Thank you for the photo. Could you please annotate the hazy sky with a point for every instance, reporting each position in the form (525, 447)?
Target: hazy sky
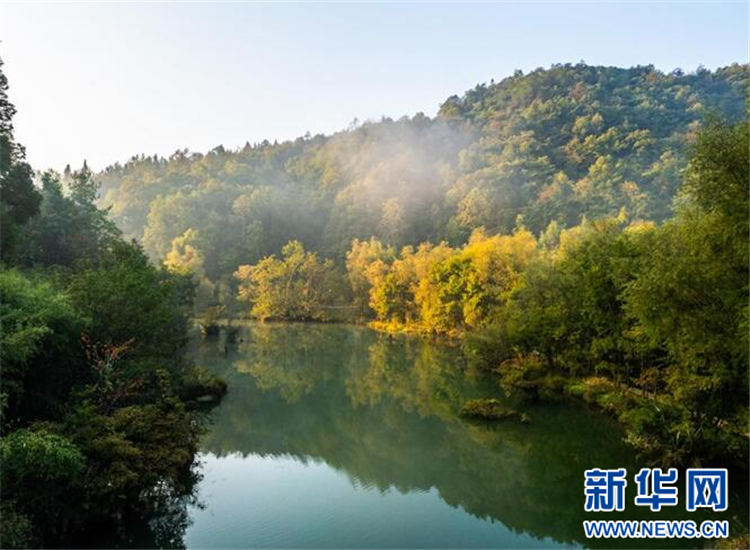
(107, 81)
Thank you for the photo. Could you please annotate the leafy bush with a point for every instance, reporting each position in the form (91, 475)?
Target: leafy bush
(39, 456)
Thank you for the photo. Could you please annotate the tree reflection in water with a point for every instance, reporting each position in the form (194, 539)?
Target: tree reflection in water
(385, 410)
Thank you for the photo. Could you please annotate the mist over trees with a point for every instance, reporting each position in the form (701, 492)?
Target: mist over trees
(559, 144)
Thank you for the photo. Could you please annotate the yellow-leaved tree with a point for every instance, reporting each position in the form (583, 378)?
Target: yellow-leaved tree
(185, 258)
(297, 286)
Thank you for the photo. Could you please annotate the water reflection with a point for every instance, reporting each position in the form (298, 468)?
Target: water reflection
(165, 513)
(383, 410)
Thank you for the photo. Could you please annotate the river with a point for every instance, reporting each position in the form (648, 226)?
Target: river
(339, 436)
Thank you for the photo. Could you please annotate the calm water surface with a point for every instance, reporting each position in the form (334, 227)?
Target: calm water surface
(337, 436)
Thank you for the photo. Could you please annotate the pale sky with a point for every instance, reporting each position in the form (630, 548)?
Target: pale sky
(105, 81)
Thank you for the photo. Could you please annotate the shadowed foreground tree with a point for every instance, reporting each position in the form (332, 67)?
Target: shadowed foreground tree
(93, 429)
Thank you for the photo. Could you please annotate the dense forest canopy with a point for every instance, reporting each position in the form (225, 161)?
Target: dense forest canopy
(561, 144)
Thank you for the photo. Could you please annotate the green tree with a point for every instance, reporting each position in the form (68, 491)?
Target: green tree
(127, 298)
(19, 199)
(40, 326)
(68, 228)
(691, 299)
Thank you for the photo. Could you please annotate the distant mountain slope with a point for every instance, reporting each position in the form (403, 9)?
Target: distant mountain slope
(574, 140)
(556, 144)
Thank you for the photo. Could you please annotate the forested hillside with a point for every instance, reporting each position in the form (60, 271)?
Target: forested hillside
(541, 219)
(560, 144)
(582, 229)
